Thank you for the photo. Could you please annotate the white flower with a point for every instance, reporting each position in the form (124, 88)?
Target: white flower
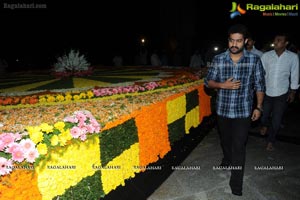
(71, 62)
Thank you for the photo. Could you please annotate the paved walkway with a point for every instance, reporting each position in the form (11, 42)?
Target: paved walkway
(203, 182)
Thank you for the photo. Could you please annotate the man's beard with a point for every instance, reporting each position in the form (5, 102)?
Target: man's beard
(236, 50)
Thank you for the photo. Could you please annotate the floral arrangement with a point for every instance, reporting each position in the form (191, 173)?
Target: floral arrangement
(49, 137)
(94, 93)
(128, 140)
(72, 64)
(34, 145)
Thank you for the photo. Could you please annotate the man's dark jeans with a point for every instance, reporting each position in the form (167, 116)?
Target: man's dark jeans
(233, 136)
(274, 108)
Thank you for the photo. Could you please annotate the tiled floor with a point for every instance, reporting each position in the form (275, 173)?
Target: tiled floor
(203, 182)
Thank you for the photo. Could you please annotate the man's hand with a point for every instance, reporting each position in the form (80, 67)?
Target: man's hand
(291, 97)
(256, 114)
(231, 84)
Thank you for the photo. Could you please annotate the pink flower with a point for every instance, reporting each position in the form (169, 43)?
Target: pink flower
(18, 136)
(97, 129)
(96, 92)
(5, 166)
(7, 139)
(83, 137)
(83, 130)
(115, 90)
(2, 145)
(120, 90)
(142, 89)
(109, 93)
(11, 148)
(75, 132)
(90, 128)
(80, 116)
(18, 154)
(71, 119)
(31, 155)
(94, 122)
(27, 144)
(88, 114)
(81, 124)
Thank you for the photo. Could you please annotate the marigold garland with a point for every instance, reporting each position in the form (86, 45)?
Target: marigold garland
(152, 128)
(192, 119)
(20, 184)
(67, 166)
(176, 108)
(120, 168)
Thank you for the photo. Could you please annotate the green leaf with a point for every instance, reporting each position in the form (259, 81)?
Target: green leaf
(5, 155)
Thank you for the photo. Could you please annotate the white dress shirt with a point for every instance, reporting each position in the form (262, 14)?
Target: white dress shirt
(256, 51)
(282, 72)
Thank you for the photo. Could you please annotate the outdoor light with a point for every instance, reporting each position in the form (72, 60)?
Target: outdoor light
(216, 48)
(143, 41)
(272, 45)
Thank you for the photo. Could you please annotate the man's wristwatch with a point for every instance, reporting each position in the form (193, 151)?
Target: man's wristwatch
(260, 109)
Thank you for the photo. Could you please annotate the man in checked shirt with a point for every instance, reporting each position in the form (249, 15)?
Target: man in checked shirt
(237, 75)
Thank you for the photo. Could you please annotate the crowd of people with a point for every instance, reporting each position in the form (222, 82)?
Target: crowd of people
(162, 57)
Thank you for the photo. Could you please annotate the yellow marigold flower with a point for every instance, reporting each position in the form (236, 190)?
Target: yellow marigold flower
(82, 95)
(42, 148)
(54, 140)
(76, 97)
(90, 94)
(64, 137)
(67, 134)
(35, 134)
(60, 97)
(60, 126)
(46, 128)
(42, 99)
(62, 141)
(68, 97)
(50, 99)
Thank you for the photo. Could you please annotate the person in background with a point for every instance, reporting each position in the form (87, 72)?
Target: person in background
(251, 48)
(118, 60)
(164, 58)
(235, 74)
(154, 59)
(282, 81)
(3, 66)
(196, 61)
(143, 55)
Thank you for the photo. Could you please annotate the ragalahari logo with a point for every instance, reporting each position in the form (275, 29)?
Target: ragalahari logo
(236, 10)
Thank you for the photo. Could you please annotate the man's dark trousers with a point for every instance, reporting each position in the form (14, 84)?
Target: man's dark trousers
(233, 136)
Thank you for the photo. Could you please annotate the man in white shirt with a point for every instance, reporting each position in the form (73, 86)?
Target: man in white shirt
(282, 81)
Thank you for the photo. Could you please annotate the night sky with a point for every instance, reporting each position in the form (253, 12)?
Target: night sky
(99, 30)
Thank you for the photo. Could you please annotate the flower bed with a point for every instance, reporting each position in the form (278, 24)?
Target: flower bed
(132, 131)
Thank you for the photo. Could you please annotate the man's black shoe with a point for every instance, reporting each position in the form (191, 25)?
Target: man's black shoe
(237, 193)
